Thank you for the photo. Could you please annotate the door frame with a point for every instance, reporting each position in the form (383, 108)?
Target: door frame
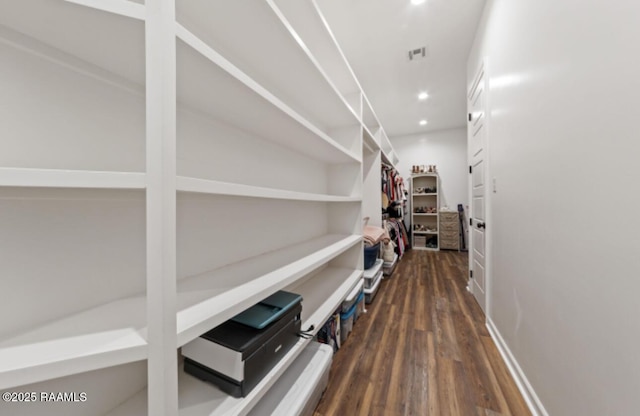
(489, 188)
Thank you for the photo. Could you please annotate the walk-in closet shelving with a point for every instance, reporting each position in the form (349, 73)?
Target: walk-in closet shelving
(369, 140)
(266, 48)
(312, 30)
(322, 292)
(162, 174)
(369, 119)
(72, 194)
(297, 204)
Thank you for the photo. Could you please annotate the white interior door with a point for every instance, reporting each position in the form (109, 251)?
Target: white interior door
(476, 132)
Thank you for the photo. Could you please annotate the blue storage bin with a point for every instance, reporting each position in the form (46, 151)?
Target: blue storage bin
(370, 255)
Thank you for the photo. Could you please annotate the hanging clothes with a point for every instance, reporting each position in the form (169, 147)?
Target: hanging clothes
(398, 234)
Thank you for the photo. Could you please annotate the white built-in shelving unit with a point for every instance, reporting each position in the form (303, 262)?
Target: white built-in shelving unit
(424, 194)
(167, 164)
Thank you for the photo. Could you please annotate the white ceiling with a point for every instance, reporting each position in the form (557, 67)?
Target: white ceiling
(376, 36)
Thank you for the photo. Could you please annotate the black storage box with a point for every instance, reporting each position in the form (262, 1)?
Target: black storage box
(235, 357)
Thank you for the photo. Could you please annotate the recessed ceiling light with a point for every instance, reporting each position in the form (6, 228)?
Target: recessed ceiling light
(423, 96)
(423, 122)
(417, 1)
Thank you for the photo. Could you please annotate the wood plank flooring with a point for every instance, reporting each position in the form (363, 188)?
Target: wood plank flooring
(422, 349)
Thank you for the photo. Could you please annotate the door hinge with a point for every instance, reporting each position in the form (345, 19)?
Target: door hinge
(470, 117)
(470, 221)
(470, 169)
(471, 274)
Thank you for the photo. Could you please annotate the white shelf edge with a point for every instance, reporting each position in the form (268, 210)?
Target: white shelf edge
(341, 280)
(425, 232)
(56, 56)
(430, 194)
(386, 159)
(196, 185)
(425, 214)
(312, 58)
(59, 178)
(198, 398)
(369, 140)
(207, 310)
(120, 7)
(104, 336)
(209, 53)
(366, 104)
(426, 248)
(424, 175)
(337, 46)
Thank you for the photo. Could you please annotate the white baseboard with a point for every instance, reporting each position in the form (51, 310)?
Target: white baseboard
(530, 396)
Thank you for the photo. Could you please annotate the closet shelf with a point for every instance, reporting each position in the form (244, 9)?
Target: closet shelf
(328, 45)
(207, 300)
(368, 140)
(426, 232)
(122, 7)
(369, 118)
(112, 34)
(241, 101)
(59, 178)
(108, 335)
(310, 25)
(429, 194)
(187, 184)
(199, 398)
(260, 32)
(431, 214)
(386, 159)
(321, 295)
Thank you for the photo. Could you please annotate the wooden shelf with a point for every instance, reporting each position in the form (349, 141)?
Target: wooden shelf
(109, 335)
(58, 178)
(205, 186)
(207, 300)
(209, 83)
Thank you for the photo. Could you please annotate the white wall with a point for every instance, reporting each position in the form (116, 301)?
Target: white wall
(448, 150)
(564, 149)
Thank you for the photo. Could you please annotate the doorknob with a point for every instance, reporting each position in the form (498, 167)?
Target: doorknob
(481, 225)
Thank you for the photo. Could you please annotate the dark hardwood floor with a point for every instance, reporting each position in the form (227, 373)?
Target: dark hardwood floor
(422, 349)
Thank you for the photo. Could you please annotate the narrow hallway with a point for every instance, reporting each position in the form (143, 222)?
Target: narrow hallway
(422, 349)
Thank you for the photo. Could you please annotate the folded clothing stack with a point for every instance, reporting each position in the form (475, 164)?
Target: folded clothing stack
(373, 235)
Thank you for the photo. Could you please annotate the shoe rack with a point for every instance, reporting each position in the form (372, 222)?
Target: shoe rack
(425, 211)
(163, 169)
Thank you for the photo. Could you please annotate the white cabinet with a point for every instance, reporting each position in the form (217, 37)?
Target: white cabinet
(160, 173)
(425, 208)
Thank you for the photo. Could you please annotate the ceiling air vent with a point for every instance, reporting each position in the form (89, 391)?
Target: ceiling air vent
(417, 53)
